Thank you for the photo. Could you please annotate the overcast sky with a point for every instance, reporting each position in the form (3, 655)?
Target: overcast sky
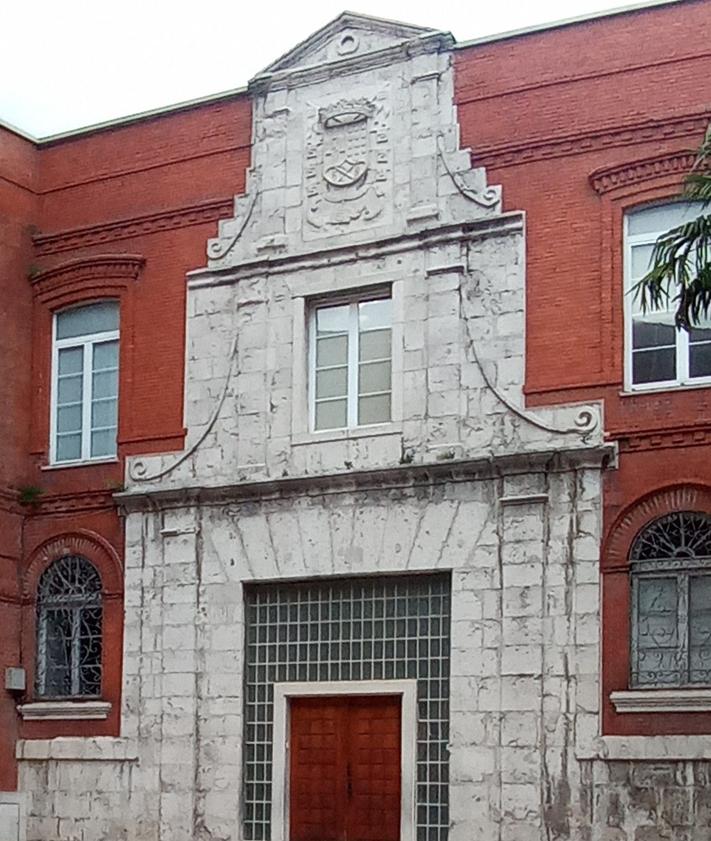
(71, 63)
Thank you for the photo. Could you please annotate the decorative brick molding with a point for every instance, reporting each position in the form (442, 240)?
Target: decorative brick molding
(71, 503)
(610, 178)
(180, 217)
(88, 544)
(510, 154)
(664, 439)
(115, 271)
(640, 513)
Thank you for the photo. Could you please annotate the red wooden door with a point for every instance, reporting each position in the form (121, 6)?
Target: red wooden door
(345, 769)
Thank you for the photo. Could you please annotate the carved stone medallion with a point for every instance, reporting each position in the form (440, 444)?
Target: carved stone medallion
(347, 166)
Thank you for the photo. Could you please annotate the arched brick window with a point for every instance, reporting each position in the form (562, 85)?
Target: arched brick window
(69, 630)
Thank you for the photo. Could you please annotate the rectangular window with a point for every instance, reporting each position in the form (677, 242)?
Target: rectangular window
(351, 364)
(658, 354)
(85, 383)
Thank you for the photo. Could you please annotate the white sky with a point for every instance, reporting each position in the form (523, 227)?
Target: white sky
(70, 63)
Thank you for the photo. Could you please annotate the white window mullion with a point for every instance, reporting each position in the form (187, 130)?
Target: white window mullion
(353, 365)
(86, 400)
(682, 355)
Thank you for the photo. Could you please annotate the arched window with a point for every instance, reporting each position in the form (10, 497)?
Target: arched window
(671, 602)
(69, 614)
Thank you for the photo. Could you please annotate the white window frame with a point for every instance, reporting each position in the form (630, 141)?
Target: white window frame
(352, 301)
(86, 342)
(284, 692)
(682, 379)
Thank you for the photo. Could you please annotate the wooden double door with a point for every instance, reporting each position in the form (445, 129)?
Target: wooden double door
(345, 768)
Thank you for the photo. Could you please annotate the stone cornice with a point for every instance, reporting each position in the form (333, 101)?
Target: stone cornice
(179, 217)
(400, 477)
(501, 225)
(611, 178)
(517, 152)
(430, 42)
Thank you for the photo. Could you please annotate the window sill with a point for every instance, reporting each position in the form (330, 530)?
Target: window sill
(300, 438)
(72, 748)
(65, 710)
(637, 391)
(61, 465)
(662, 700)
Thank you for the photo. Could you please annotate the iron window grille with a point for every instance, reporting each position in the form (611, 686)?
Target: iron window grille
(671, 602)
(350, 629)
(69, 616)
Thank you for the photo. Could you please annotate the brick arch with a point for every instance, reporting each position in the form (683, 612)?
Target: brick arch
(646, 509)
(89, 545)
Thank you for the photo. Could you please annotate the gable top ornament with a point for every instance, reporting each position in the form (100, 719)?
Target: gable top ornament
(348, 25)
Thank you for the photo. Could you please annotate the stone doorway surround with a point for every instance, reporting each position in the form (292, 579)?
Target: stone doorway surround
(284, 692)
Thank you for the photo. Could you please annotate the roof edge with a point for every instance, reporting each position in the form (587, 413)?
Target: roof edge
(139, 116)
(560, 24)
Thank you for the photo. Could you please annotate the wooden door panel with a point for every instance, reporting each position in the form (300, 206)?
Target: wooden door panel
(317, 768)
(345, 769)
(373, 808)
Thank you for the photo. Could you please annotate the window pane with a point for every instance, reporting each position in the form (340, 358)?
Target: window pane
(55, 668)
(657, 641)
(647, 334)
(68, 447)
(69, 390)
(374, 409)
(332, 319)
(103, 443)
(372, 314)
(700, 360)
(83, 321)
(89, 666)
(374, 376)
(71, 360)
(332, 382)
(105, 355)
(654, 366)
(331, 415)
(69, 419)
(658, 219)
(103, 413)
(641, 255)
(374, 345)
(332, 351)
(700, 629)
(105, 384)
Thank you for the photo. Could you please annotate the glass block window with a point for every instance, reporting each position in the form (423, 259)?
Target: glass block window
(671, 602)
(69, 630)
(658, 353)
(85, 383)
(350, 629)
(351, 364)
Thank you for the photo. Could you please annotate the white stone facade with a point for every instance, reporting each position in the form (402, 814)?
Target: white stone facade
(461, 479)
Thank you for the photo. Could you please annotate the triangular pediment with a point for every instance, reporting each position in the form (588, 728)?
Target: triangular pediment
(349, 34)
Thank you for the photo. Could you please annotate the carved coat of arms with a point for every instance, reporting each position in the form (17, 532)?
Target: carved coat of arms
(346, 165)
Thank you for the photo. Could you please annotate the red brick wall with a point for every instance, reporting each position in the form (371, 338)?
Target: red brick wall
(545, 113)
(18, 176)
(152, 190)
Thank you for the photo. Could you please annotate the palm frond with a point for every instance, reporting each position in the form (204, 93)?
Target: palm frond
(681, 268)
